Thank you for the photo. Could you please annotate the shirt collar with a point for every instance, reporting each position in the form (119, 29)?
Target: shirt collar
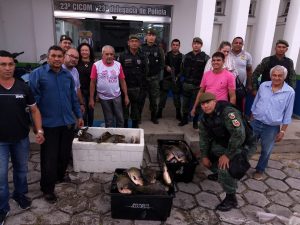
(284, 88)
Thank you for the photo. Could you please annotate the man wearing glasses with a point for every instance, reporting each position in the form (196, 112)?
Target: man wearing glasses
(70, 61)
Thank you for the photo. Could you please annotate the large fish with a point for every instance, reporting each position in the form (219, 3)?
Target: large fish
(107, 137)
(175, 153)
(149, 175)
(135, 175)
(124, 184)
(156, 188)
(83, 135)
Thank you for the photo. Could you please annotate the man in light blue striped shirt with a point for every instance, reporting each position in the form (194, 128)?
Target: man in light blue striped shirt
(272, 111)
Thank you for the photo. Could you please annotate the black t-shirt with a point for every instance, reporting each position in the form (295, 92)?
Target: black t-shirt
(14, 114)
(84, 70)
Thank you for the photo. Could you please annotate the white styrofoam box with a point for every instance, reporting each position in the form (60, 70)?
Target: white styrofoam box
(106, 157)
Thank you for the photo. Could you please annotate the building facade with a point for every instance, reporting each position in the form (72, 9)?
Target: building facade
(33, 25)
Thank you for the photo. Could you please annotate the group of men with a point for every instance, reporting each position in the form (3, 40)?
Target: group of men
(55, 102)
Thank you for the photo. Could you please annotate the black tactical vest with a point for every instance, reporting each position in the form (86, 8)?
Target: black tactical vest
(274, 61)
(153, 55)
(133, 67)
(193, 67)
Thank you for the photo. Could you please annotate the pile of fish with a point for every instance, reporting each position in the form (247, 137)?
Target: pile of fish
(178, 153)
(106, 137)
(143, 181)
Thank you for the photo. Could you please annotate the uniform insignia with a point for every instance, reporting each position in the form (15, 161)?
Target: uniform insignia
(231, 116)
(236, 123)
(138, 61)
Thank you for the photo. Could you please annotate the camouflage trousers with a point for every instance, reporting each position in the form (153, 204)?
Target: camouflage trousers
(132, 110)
(175, 87)
(228, 183)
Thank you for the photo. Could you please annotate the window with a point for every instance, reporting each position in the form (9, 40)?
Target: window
(220, 7)
(252, 8)
(286, 8)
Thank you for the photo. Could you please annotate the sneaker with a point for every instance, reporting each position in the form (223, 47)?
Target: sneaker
(258, 175)
(23, 201)
(50, 198)
(3, 216)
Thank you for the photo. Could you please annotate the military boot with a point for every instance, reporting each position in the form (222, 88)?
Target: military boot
(178, 114)
(159, 114)
(125, 123)
(195, 121)
(228, 203)
(135, 124)
(184, 120)
(154, 118)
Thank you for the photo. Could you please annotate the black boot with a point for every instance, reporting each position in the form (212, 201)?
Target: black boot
(213, 177)
(184, 120)
(125, 123)
(159, 114)
(178, 115)
(195, 121)
(135, 124)
(154, 118)
(228, 203)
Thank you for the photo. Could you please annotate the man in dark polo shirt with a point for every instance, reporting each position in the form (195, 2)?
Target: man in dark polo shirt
(15, 100)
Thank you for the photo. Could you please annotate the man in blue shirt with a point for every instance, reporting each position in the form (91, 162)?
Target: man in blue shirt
(54, 90)
(272, 112)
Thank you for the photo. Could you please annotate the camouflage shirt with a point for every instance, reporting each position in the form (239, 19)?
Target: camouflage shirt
(231, 121)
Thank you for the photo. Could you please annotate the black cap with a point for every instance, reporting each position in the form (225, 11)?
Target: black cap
(151, 31)
(207, 96)
(65, 37)
(284, 42)
(133, 36)
(197, 39)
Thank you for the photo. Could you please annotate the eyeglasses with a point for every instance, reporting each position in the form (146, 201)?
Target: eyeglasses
(73, 56)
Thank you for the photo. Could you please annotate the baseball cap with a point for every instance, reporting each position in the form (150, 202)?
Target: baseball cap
(133, 36)
(65, 37)
(197, 39)
(151, 31)
(207, 96)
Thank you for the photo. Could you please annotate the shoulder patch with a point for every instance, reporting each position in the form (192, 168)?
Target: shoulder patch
(231, 116)
(236, 123)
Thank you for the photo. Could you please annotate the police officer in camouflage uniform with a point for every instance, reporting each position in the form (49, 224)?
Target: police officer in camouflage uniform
(193, 68)
(155, 57)
(223, 133)
(134, 63)
(171, 80)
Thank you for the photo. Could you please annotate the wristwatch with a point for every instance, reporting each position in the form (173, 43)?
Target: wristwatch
(40, 132)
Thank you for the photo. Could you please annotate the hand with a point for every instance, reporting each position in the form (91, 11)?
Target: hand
(206, 162)
(169, 69)
(80, 123)
(82, 108)
(223, 162)
(39, 138)
(249, 87)
(126, 100)
(279, 137)
(92, 103)
(193, 112)
(254, 92)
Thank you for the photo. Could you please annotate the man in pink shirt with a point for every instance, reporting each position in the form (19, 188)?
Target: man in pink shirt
(218, 81)
(107, 75)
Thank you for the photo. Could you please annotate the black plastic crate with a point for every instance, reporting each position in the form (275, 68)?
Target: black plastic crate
(139, 206)
(180, 172)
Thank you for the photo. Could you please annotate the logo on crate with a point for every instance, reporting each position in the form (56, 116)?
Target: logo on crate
(139, 206)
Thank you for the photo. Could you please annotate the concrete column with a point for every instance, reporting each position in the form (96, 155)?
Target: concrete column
(204, 22)
(264, 29)
(238, 19)
(292, 31)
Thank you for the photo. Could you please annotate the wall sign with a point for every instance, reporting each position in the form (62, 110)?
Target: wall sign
(114, 8)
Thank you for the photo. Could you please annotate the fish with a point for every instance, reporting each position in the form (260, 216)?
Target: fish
(124, 184)
(107, 137)
(156, 188)
(174, 154)
(83, 135)
(166, 175)
(149, 175)
(135, 175)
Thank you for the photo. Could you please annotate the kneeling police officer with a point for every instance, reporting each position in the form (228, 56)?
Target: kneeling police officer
(223, 134)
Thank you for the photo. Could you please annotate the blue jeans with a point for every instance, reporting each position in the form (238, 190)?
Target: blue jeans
(19, 153)
(267, 135)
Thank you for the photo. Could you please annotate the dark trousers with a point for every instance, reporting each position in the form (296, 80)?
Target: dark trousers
(55, 155)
